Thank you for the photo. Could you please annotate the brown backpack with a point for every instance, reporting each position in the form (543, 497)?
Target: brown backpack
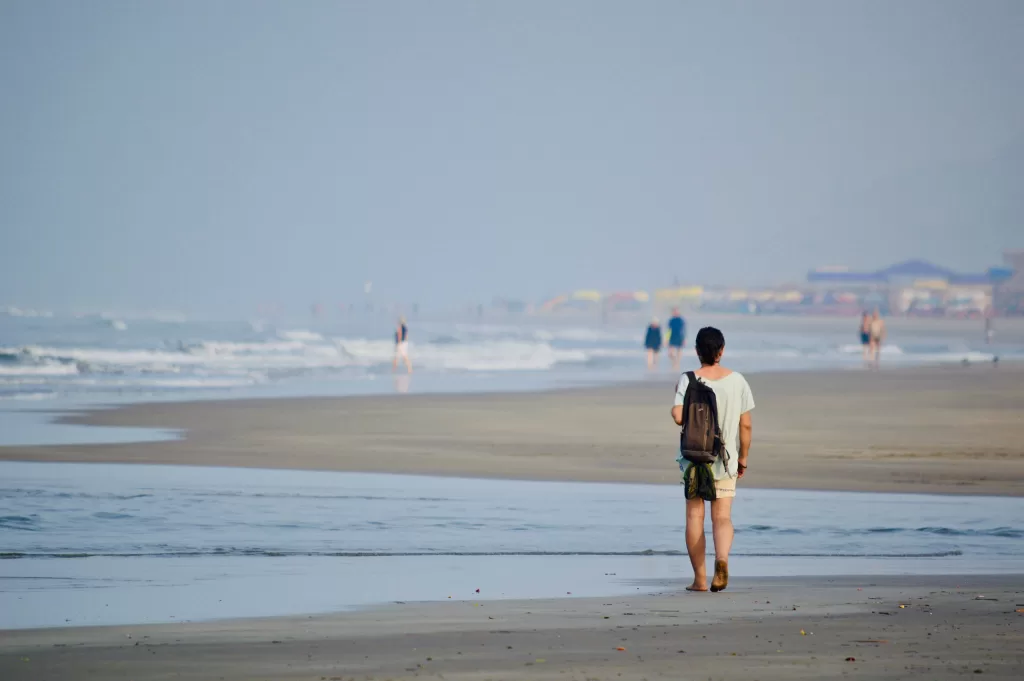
(700, 440)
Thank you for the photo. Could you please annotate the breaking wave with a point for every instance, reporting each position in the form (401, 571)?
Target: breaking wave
(79, 357)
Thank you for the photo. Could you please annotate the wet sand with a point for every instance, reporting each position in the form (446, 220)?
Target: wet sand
(893, 627)
(940, 430)
(925, 430)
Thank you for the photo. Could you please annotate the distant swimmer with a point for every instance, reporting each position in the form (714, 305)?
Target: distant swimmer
(653, 343)
(402, 346)
(676, 338)
(877, 329)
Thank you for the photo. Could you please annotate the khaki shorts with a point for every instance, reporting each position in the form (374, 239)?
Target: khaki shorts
(726, 488)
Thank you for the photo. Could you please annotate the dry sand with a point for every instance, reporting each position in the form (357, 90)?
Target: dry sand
(945, 430)
(758, 629)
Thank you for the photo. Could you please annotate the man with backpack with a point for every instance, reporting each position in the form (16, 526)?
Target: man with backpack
(712, 405)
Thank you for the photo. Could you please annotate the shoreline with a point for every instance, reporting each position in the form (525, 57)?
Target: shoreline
(942, 430)
(892, 627)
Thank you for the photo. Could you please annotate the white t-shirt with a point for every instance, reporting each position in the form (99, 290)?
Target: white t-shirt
(734, 399)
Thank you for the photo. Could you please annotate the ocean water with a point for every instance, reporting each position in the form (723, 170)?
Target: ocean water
(101, 544)
(50, 360)
(53, 365)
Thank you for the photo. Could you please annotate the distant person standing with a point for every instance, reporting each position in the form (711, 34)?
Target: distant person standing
(989, 330)
(865, 335)
(402, 346)
(877, 330)
(676, 338)
(653, 343)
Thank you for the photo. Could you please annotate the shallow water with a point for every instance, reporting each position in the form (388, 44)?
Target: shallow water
(99, 543)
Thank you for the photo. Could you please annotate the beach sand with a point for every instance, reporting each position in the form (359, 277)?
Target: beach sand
(940, 429)
(893, 627)
(944, 430)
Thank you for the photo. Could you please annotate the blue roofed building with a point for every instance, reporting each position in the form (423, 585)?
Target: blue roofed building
(913, 288)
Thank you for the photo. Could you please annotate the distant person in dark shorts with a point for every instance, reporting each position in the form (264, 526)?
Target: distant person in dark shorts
(402, 346)
(653, 343)
(676, 338)
(865, 335)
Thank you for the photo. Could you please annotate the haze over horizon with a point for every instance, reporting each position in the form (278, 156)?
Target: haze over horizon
(213, 156)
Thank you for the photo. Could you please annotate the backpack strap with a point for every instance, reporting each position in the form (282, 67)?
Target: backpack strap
(691, 378)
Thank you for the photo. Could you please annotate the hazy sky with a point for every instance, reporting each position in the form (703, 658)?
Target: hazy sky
(211, 154)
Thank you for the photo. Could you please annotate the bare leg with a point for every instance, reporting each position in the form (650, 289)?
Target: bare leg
(721, 524)
(696, 544)
(408, 363)
(650, 359)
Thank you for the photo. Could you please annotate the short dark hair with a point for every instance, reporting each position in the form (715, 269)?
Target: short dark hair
(710, 342)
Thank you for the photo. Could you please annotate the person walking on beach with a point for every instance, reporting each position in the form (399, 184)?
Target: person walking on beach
(713, 406)
(652, 341)
(877, 330)
(865, 336)
(402, 346)
(676, 338)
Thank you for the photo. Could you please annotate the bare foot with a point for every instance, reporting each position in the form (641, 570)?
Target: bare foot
(702, 586)
(721, 579)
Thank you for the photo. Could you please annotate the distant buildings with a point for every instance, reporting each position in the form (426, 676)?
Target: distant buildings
(595, 302)
(911, 288)
(1009, 295)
